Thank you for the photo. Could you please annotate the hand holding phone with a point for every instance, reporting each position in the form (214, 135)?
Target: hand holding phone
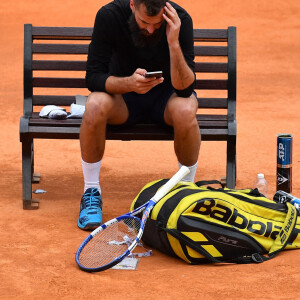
(141, 83)
(156, 74)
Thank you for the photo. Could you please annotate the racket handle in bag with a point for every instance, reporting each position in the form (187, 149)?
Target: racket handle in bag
(183, 171)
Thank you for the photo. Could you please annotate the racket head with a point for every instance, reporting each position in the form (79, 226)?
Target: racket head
(96, 253)
(109, 244)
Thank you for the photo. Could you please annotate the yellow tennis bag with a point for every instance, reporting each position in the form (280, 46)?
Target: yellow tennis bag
(201, 224)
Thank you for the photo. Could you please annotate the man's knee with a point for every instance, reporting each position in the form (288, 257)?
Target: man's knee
(183, 111)
(98, 106)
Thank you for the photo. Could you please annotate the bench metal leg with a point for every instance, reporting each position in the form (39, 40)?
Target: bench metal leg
(27, 174)
(231, 163)
(36, 177)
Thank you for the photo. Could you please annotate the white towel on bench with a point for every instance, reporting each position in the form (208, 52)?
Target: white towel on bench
(53, 112)
(76, 111)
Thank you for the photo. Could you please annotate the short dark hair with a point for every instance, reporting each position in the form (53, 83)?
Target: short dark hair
(153, 7)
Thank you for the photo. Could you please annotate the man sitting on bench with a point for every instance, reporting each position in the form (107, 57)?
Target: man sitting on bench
(132, 37)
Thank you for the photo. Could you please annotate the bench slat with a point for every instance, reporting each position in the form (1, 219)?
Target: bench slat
(83, 49)
(42, 100)
(62, 33)
(201, 67)
(220, 103)
(59, 65)
(211, 84)
(213, 35)
(211, 51)
(58, 82)
(35, 119)
(60, 48)
(136, 133)
(85, 33)
(204, 121)
(76, 65)
(51, 82)
(77, 122)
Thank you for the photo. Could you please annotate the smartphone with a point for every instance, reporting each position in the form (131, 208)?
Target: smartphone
(156, 74)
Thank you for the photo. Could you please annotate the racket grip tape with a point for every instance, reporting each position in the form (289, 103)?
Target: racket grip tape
(183, 171)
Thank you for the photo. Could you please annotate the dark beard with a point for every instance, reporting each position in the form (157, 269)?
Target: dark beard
(141, 37)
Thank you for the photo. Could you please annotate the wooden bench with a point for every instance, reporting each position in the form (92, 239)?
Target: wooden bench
(54, 72)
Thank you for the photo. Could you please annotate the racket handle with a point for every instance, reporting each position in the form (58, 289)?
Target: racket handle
(183, 171)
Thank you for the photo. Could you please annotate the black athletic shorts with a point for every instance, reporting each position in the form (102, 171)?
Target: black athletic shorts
(148, 107)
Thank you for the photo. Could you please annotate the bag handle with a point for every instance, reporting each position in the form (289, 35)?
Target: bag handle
(206, 182)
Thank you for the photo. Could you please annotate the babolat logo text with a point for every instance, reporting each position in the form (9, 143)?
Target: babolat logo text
(234, 218)
(286, 229)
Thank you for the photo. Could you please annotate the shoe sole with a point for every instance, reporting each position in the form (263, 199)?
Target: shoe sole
(90, 226)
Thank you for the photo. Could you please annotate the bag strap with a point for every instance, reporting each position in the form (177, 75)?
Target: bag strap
(279, 244)
(285, 233)
(206, 182)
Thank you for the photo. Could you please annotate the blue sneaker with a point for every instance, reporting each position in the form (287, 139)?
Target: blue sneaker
(90, 216)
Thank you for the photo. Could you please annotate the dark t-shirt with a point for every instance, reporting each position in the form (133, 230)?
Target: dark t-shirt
(112, 51)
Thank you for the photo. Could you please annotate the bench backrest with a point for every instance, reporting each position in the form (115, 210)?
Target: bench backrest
(55, 60)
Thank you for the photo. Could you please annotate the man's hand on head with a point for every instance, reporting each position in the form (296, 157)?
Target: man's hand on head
(173, 24)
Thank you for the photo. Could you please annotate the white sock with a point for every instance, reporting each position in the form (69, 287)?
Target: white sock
(191, 176)
(91, 173)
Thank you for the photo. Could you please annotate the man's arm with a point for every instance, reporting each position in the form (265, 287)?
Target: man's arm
(181, 74)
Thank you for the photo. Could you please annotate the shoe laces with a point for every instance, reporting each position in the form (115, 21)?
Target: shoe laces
(92, 202)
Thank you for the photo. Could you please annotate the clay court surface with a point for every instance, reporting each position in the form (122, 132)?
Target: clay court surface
(37, 248)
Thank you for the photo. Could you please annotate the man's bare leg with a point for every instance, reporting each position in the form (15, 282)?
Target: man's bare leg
(100, 109)
(180, 113)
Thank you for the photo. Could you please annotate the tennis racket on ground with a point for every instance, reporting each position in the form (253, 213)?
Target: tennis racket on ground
(111, 242)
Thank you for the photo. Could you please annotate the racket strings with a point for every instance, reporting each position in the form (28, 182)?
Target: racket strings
(109, 243)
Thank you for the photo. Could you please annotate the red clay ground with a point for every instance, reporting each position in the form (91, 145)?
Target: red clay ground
(37, 247)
